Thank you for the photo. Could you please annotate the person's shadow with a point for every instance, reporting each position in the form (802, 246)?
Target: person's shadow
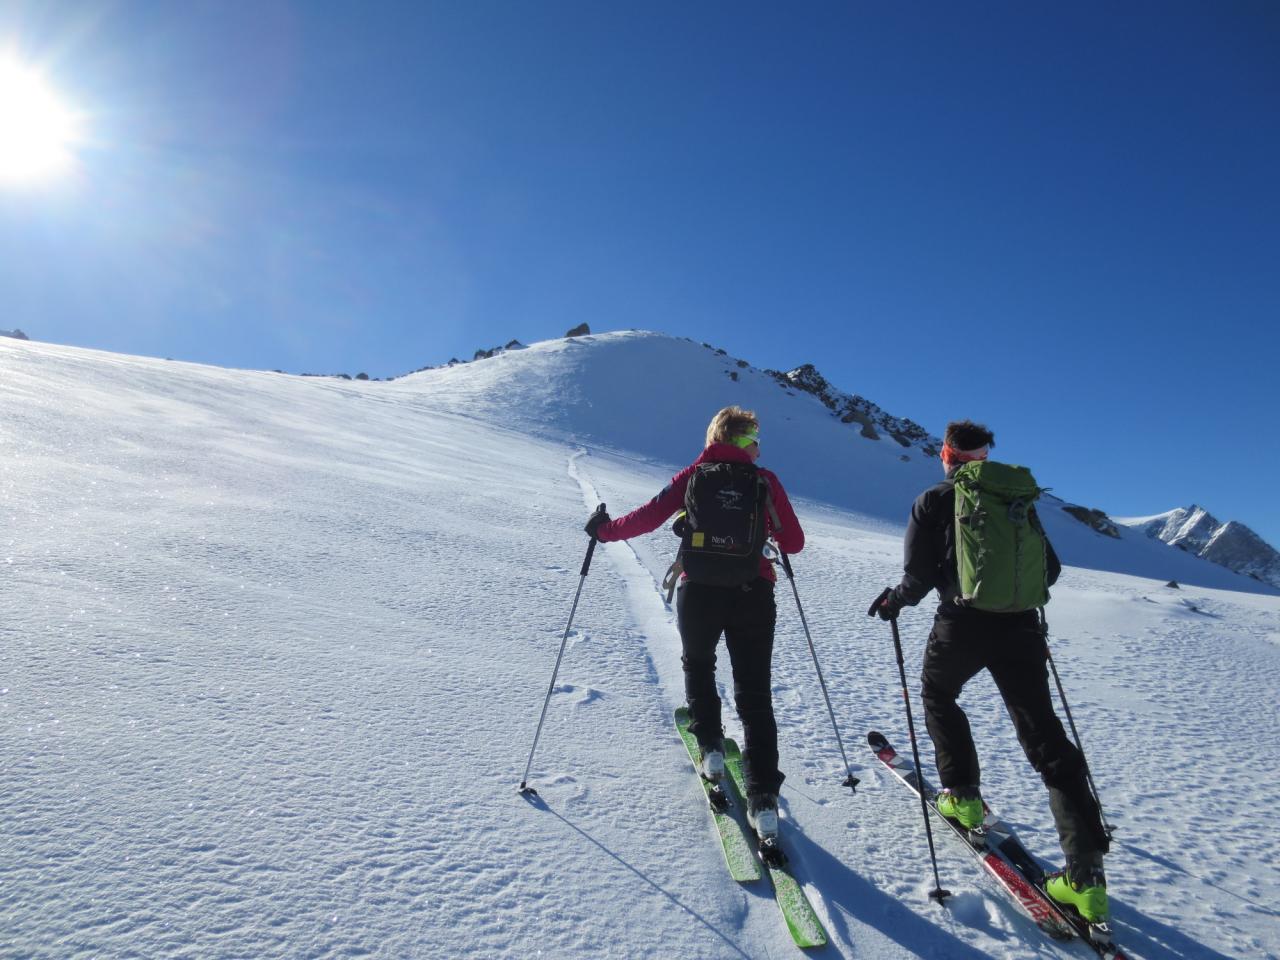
(1138, 933)
(846, 894)
(1155, 938)
(730, 945)
(842, 891)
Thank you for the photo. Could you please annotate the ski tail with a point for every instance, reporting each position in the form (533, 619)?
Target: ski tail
(802, 920)
(738, 854)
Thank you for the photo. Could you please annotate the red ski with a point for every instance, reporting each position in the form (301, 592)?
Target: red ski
(997, 848)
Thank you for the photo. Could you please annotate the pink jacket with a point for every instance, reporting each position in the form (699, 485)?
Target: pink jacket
(658, 510)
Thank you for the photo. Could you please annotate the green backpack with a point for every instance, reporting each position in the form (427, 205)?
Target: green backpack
(1001, 548)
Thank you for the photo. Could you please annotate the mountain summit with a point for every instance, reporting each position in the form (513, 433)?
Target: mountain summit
(648, 396)
(1231, 544)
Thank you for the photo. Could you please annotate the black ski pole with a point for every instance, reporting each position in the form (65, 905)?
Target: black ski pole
(586, 565)
(850, 780)
(937, 893)
(1062, 693)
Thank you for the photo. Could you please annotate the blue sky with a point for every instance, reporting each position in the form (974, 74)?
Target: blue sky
(1061, 219)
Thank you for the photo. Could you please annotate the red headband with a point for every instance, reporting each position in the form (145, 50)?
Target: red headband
(951, 456)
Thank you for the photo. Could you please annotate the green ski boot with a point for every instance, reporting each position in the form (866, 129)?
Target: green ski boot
(963, 805)
(1081, 887)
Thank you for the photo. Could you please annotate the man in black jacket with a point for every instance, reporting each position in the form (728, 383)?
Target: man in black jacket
(1012, 647)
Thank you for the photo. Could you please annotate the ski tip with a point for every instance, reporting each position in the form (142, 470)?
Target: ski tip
(877, 740)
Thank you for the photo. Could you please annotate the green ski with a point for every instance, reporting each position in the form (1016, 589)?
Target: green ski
(806, 929)
(743, 865)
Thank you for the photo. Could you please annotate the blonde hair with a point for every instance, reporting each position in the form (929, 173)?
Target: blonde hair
(729, 423)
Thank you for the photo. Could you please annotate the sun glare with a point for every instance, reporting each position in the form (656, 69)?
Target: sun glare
(37, 131)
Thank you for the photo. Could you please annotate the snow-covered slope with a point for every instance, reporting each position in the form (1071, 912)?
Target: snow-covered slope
(1231, 544)
(273, 649)
(649, 396)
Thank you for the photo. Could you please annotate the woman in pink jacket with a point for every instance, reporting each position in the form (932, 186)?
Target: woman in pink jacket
(745, 614)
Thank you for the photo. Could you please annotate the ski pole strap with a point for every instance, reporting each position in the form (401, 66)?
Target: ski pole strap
(777, 526)
(672, 578)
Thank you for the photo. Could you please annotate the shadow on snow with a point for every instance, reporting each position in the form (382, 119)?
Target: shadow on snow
(540, 804)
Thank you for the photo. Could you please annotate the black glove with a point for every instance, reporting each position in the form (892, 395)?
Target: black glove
(886, 605)
(596, 521)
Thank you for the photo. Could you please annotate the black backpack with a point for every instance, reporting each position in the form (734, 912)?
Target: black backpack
(724, 530)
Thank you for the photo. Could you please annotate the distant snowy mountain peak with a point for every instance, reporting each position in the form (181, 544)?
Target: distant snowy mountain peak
(1232, 544)
(1188, 528)
(1191, 529)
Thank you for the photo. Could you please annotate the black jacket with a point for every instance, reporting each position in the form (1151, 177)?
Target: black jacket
(929, 552)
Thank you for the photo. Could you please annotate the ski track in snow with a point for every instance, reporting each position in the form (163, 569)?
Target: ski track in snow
(273, 650)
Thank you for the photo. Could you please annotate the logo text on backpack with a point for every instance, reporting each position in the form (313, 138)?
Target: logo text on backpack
(729, 499)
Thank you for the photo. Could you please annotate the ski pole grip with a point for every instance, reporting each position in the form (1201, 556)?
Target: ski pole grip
(879, 600)
(591, 549)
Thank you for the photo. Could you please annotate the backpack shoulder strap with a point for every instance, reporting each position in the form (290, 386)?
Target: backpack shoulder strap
(768, 503)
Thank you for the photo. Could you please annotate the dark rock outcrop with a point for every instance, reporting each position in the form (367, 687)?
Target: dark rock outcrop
(850, 408)
(1095, 519)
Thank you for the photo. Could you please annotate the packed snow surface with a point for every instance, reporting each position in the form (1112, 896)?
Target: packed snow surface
(273, 651)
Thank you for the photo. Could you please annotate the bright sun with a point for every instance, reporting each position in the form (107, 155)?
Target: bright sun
(37, 131)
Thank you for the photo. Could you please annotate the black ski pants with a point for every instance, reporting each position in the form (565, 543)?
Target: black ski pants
(746, 616)
(1012, 648)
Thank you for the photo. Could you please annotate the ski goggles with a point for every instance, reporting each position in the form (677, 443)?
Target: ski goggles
(745, 440)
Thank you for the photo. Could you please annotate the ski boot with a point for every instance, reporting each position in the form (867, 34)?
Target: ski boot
(963, 805)
(762, 814)
(711, 770)
(1083, 887)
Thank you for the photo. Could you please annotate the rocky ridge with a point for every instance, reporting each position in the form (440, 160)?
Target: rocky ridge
(851, 408)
